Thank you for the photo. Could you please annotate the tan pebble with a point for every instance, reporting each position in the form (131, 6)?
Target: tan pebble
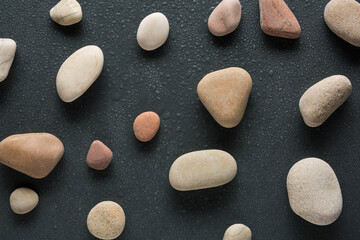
(23, 200)
(323, 98)
(225, 94)
(106, 220)
(34, 154)
(7, 54)
(237, 232)
(66, 12)
(225, 18)
(99, 156)
(146, 125)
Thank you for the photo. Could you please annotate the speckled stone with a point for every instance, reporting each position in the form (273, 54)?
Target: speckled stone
(66, 12)
(237, 232)
(23, 200)
(323, 98)
(99, 156)
(314, 191)
(7, 54)
(146, 125)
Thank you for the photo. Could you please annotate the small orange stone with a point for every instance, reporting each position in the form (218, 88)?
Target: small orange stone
(99, 156)
(146, 126)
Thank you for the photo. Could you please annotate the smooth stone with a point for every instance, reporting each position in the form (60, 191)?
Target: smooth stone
(225, 18)
(106, 220)
(153, 31)
(323, 98)
(276, 19)
(225, 94)
(23, 200)
(79, 72)
(7, 54)
(237, 232)
(99, 156)
(343, 18)
(66, 12)
(146, 125)
(34, 154)
(314, 191)
(202, 169)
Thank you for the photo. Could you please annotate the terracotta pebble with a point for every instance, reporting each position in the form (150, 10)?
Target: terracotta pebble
(23, 200)
(146, 125)
(7, 54)
(237, 232)
(225, 18)
(99, 156)
(276, 19)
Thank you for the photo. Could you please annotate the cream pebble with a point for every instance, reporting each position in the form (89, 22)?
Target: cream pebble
(323, 98)
(7, 54)
(314, 191)
(79, 72)
(23, 200)
(237, 232)
(153, 31)
(66, 12)
(202, 169)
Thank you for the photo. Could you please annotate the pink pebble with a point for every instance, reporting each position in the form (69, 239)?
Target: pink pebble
(99, 156)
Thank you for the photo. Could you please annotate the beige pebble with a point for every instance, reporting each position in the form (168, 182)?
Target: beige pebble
(66, 12)
(7, 54)
(146, 125)
(323, 98)
(106, 220)
(34, 154)
(314, 191)
(343, 18)
(225, 18)
(153, 31)
(202, 169)
(237, 232)
(23, 200)
(225, 94)
(79, 72)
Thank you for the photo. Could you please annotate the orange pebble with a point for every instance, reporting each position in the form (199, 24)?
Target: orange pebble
(146, 125)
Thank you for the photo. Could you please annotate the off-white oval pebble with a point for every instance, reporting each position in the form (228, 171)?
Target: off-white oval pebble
(323, 98)
(314, 191)
(106, 220)
(343, 18)
(237, 232)
(7, 54)
(66, 12)
(23, 200)
(153, 31)
(79, 72)
(202, 169)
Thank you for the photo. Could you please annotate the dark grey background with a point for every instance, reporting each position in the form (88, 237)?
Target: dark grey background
(268, 141)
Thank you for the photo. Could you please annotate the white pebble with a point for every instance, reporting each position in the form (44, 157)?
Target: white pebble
(66, 12)
(23, 200)
(7, 54)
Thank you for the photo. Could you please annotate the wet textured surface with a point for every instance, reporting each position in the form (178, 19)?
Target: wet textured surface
(268, 141)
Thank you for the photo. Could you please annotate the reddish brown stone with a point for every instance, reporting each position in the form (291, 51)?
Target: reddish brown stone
(146, 126)
(99, 156)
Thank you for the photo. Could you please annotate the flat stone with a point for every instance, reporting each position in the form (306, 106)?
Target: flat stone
(106, 220)
(323, 98)
(225, 18)
(343, 18)
(237, 232)
(99, 156)
(153, 31)
(202, 169)
(7, 54)
(79, 72)
(34, 154)
(66, 12)
(225, 94)
(314, 191)
(146, 125)
(276, 19)
(23, 200)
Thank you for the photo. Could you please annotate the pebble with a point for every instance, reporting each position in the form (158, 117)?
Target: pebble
(323, 98)
(237, 232)
(225, 18)
(79, 72)
(146, 125)
(106, 220)
(153, 31)
(7, 54)
(225, 94)
(202, 169)
(343, 18)
(276, 19)
(314, 191)
(66, 12)
(99, 156)
(23, 200)
(34, 154)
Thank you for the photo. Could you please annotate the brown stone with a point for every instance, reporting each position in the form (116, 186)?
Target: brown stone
(99, 156)
(146, 125)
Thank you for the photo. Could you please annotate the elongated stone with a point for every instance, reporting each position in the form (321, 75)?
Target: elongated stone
(7, 54)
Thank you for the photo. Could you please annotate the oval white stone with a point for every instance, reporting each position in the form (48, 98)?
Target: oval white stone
(79, 72)
(153, 31)
(23, 200)
(314, 191)
(237, 232)
(7, 54)
(66, 12)
(202, 169)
